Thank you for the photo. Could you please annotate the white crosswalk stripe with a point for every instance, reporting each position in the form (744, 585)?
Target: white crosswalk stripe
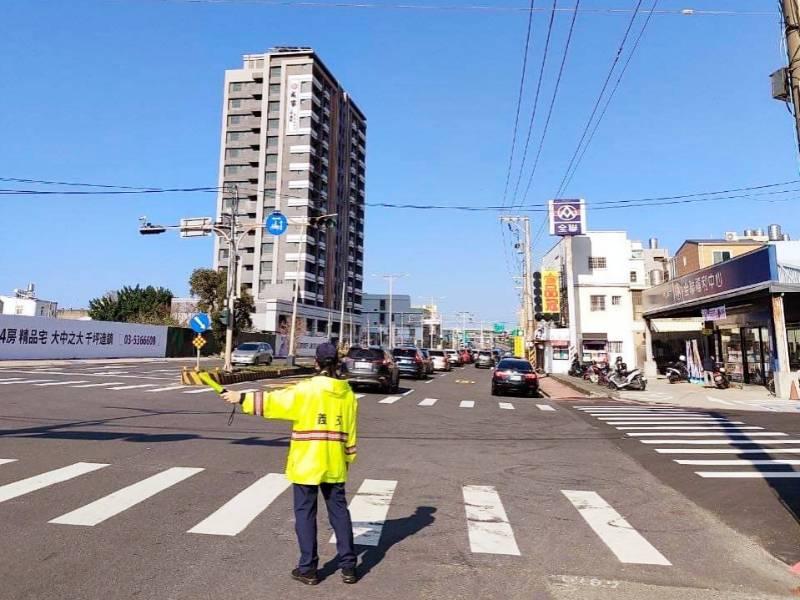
(749, 474)
(728, 450)
(488, 527)
(166, 389)
(121, 500)
(92, 385)
(544, 407)
(739, 462)
(24, 381)
(13, 490)
(708, 434)
(202, 390)
(359, 396)
(10, 378)
(428, 402)
(627, 544)
(236, 514)
(389, 400)
(368, 510)
(133, 387)
(682, 422)
(61, 383)
(730, 441)
(466, 404)
(5, 461)
(506, 405)
(678, 428)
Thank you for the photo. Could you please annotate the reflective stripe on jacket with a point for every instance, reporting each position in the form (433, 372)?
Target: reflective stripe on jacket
(323, 412)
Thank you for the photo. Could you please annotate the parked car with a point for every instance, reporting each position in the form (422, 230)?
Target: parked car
(253, 353)
(426, 358)
(465, 355)
(441, 362)
(371, 366)
(410, 362)
(485, 359)
(515, 375)
(454, 357)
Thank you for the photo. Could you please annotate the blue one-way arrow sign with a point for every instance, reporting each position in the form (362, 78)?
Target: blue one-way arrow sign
(200, 322)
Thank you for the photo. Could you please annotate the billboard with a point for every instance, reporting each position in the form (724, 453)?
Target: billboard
(551, 291)
(567, 217)
(44, 338)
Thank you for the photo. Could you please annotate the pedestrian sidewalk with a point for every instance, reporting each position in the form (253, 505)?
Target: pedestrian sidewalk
(659, 390)
(551, 387)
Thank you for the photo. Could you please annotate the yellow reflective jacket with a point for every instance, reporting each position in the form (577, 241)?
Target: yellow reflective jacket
(323, 412)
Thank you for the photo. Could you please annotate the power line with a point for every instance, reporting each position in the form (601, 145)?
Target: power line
(519, 100)
(611, 95)
(600, 95)
(475, 8)
(535, 102)
(552, 102)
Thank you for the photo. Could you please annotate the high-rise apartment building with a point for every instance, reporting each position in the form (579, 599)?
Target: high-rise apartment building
(293, 140)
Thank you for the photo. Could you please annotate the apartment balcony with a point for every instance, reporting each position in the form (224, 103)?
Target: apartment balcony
(292, 275)
(300, 256)
(244, 105)
(359, 277)
(245, 123)
(242, 157)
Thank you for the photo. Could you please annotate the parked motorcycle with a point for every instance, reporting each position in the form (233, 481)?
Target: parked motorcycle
(576, 369)
(677, 371)
(622, 379)
(597, 373)
(720, 377)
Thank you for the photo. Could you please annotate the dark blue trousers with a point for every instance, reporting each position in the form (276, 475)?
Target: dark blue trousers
(305, 517)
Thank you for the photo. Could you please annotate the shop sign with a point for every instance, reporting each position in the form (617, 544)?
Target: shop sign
(715, 313)
(750, 269)
(551, 291)
(567, 217)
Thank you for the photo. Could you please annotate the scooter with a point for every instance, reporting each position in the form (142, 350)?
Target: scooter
(720, 377)
(678, 371)
(576, 369)
(624, 380)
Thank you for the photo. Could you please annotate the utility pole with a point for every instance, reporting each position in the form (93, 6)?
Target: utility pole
(528, 319)
(390, 277)
(341, 316)
(231, 300)
(791, 75)
(464, 315)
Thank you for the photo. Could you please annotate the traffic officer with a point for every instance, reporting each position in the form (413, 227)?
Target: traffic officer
(323, 411)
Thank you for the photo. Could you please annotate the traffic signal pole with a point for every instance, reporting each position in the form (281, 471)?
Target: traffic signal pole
(791, 21)
(230, 301)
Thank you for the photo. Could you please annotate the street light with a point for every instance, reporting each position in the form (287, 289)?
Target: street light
(390, 277)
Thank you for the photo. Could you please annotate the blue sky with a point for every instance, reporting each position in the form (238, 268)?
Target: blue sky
(129, 92)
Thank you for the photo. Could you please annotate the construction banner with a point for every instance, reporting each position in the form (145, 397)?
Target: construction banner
(551, 291)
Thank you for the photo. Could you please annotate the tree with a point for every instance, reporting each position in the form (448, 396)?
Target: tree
(210, 288)
(149, 305)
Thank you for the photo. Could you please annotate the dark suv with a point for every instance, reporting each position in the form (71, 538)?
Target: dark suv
(410, 362)
(371, 365)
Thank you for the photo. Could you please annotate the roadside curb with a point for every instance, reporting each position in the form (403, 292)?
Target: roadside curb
(584, 389)
(191, 377)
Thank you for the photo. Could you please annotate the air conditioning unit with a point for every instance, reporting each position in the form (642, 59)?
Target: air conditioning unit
(730, 236)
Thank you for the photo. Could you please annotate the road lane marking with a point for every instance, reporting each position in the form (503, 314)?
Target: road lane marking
(121, 500)
(368, 510)
(404, 394)
(708, 434)
(112, 373)
(749, 474)
(61, 382)
(238, 512)
(167, 389)
(37, 482)
(200, 391)
(645, 417)
(11, 379)
(5, 461)
(684, 422)
(624, 541)
(691, 427)
(133, 387)
(466, 404)
(488, 528)
(728, 441)
(544, 407)
(91, 385)
(619, 407)
(506, 405)
(428, 402)
(712, 399)
(429, 381)
(739, 462)
(24, 381)
(728, 450)
(389, 400)
(360, 396)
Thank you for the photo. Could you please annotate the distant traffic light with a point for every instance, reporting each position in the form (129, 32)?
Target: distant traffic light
(223, 316)
(537, 294)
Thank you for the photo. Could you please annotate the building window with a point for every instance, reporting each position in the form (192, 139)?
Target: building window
(274, 88)
(272, 143)
(235, 103)
(234, 119)
(234, 136)
(270, 177)
(615, 347)
(231, 169)
(598, 303)
(272, 123)
(597, 262)
(719, 256)
(274, 108)
(634, 277)
(383, 304)
(236, 87)
(272, 160)
(305, 86)
(275, 72)
(305, 121)
(233, 152)
(560, 353)
(616, 300)
(18, 309)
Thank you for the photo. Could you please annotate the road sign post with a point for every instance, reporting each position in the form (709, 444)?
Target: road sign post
(198, 342)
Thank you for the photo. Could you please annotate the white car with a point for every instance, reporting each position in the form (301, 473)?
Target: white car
(453, 357)
(252, 353)
(440, 360)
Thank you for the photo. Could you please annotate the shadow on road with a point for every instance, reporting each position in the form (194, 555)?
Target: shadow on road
(394, 532)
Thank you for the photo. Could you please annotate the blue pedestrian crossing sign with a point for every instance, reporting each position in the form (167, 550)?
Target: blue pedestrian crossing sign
(276, 223)
(200, 322)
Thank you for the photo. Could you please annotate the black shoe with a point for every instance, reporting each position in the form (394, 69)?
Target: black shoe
(309, 578)
(349, 575)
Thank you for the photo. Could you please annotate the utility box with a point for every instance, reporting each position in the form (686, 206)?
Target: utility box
(780, 84)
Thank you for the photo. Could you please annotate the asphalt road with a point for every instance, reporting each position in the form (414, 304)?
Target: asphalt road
(529, 499)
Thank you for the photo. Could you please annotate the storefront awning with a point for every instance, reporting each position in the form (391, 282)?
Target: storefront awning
(600, 337)
(675, 325)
